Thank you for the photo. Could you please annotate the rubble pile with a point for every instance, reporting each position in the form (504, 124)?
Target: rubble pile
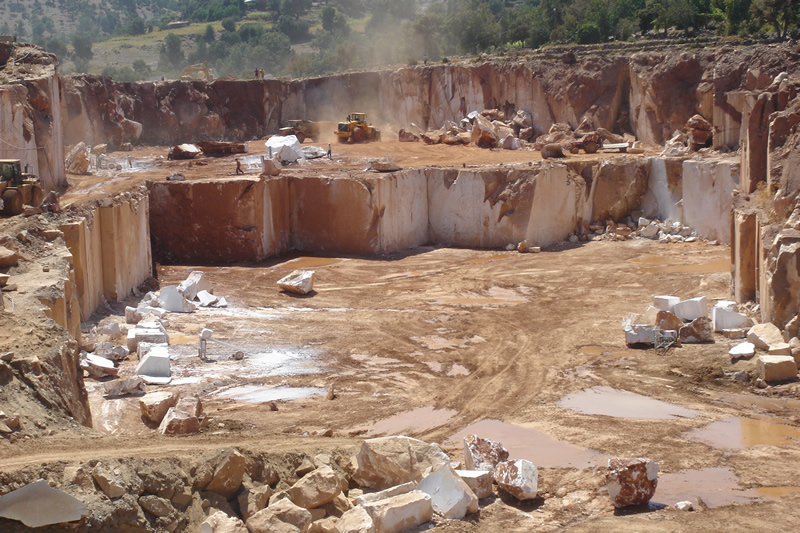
(629, 227)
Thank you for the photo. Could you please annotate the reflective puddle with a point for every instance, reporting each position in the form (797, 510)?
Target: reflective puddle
(737, 433)
(715, 486)
(257, 394)
(309, 262)
(622, 404)
(532, 444)
(416, 420)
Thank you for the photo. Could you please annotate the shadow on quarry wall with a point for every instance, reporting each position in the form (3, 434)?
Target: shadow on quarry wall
(251, 219)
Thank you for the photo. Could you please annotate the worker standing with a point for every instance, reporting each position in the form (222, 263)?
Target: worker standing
(239, 167)
(262, 73)
(330, 154)
(256, 73)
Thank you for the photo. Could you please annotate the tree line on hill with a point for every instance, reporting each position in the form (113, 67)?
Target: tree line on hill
(336, 35)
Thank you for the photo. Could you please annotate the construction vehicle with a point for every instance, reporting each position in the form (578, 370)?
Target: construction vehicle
(355, 128)
(589, 143)
(302, 129)
(18, 188)
(200, 71)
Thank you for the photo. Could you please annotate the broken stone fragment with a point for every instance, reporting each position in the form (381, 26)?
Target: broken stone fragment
(97, 367)
(8, 258)
(132, 315)
(316, 488)
(764, 335)
(356, 520)
(684, 506)
(744, 350)
(38, 504)
(668, 320)
(193, 284)
(519, 478)
(123, 387)
(154, 405)
(111, 484)
(219, 522)
(631, 481)
(178, 423)
(698, 331)
(450, 496)
(253, 500)
(772, 368)
(388, 461)
(737, 333)
(780, 348)
(155, 505)
(191, 405)
(480, 481)
(228, 474)
(206, 298)
(728, 319)
(401, 512)
(170, 299)
(277, 516)
(299, 282)
(483, 454)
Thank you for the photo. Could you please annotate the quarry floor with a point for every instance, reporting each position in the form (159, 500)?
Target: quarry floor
(438, 342)
(432, 341)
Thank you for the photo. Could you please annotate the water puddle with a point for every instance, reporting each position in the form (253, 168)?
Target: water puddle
(257, 394)
(737, 433)
(670, 265)
(279, 363)
(416, 420)
(309, 262)
(622, 404)
(776, 492)
(715, 486)
(532, 444)
(498, 257)
(605, 353)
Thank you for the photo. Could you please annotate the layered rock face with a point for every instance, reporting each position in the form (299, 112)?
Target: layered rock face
(627, 91)
(30, 112)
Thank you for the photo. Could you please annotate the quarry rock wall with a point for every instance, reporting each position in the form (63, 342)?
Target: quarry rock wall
(626, 91)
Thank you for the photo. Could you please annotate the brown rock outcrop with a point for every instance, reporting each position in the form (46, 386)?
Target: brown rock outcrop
(483, 454)
(631, 481)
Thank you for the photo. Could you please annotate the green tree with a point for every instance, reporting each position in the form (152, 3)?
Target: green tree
(56, 47)
(781, 14)
(229, 24)
(82, 47)
(19, 29)
(171, 51)
(209, 35)
(142, 69)
(135, 25)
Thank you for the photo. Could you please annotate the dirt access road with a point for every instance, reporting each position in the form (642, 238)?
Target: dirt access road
(433, 341)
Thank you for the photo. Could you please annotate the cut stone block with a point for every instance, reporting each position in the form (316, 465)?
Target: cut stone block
(356, 520)
(388, 461)
(401, 512)
(483, 454)
(170, 299)
(737, 333)
(155, 363)
(631, 481)
(640, 334)
(772, 368)
(744, 350)
(196, 282)
(154, 405)
(299, 282)
(38, 504)
(138, 335)
(728, 305)
(727, 319)
(519, 478)
(699, 330)
(386, 493)
(480, 481)
(665, 303)
(781, 348)
(316, 488)
(450, 496)
(764, 335)
(690, 309)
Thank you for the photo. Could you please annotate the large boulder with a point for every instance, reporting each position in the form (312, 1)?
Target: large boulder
(154, 405)
(699, 330)
(77, 160)
(316, 488)
(253, 499)
(519, 478)
(356, 520)
(196, 281)
(399, 513)
(776, 367)
(631, 481)
(298, 282)
(668, 321)
(281, 517)
(700, 131)
(480, 481)
(228, 474)
(406, 136)
(388, 461)
(764, 335)
(483, 454)
(177, 422)
(219, 522)
(483, 132)
(8, 258)
(38, 504)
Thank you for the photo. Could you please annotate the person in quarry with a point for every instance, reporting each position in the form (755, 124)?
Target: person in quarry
(239, 167)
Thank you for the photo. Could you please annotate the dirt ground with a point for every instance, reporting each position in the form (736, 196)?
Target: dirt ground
(435, 342)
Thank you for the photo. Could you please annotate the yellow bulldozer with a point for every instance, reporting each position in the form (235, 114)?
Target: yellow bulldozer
(17, 188)
(200, 71)
(356, 129)
(302, 129)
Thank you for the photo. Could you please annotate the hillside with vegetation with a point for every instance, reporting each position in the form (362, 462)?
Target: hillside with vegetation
(147, 39)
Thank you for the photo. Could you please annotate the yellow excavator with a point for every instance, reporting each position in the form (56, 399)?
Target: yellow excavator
(200, 71)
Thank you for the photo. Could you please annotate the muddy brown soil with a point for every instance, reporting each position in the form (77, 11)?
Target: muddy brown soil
(432, 341)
